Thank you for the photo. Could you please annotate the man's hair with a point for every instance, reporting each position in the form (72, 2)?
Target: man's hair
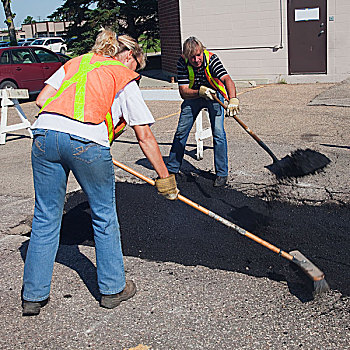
(108, 43)
(191, 45)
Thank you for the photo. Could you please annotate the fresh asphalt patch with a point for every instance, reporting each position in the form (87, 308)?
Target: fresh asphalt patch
(155, 229)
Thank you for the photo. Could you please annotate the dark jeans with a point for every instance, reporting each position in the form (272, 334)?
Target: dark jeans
(189, 111)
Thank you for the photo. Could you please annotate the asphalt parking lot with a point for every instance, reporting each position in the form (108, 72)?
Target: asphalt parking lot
(200, 284)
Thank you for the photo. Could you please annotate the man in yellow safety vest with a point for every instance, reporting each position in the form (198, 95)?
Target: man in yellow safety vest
(201, 74)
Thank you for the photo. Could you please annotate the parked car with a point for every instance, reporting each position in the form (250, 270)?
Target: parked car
(55, 44)
(4, 43)
(25, 42)
(27, 67)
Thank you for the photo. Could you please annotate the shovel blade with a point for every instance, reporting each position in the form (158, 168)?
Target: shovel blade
(299, 163)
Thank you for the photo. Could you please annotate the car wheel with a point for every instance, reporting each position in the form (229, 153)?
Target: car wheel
(7, 84)
(63, 50)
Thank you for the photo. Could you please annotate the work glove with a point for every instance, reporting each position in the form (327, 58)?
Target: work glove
(206, 92)
(233, 107)
(167, 187)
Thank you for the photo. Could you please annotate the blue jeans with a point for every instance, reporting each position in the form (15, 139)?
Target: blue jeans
(189, 112)
(54, 155)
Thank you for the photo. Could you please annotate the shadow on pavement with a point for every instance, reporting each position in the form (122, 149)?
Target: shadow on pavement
(155, 229)
(70, 256)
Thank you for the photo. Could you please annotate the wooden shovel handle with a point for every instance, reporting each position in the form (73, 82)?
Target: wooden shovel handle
(210, 213)
(250, 132)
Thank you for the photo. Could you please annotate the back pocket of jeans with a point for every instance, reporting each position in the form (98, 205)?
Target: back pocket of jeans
(39, 142)
(84, 149)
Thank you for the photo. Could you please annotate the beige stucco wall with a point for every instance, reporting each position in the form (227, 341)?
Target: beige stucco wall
(241, 24)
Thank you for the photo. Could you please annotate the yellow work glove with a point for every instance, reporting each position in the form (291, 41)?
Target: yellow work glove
(233, 107)
(206, 92)
(167, 187)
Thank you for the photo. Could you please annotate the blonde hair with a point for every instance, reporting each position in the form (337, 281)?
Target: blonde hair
(191, 45)
(109, 44)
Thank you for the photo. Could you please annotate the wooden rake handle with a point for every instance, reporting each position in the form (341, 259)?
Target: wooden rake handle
(210, 213)
(250, 132)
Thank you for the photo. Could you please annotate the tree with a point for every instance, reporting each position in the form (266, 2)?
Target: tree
(138, 18)
(9, 21)
(29, 20)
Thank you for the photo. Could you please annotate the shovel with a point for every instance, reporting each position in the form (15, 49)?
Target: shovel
(299, 163)
(319, 284)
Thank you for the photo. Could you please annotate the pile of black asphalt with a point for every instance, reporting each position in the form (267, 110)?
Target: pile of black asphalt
(299, 163)
(156, 229)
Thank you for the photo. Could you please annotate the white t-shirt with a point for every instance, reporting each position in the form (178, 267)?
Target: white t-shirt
(128, 103)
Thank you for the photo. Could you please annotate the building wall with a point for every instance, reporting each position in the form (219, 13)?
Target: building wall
(252, 28)
(4, 35)
(47, 28)
(39, 29)
(339, 38)
(169, 23)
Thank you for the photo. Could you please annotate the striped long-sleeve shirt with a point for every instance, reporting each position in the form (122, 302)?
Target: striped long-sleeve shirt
(215, 66)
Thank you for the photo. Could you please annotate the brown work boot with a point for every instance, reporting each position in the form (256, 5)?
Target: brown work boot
(32, 308)
(220, 181)
(113, 300)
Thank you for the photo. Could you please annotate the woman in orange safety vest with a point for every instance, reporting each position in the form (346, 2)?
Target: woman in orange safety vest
(84, 106)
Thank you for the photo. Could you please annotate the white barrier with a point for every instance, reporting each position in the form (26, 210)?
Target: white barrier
(201, 133)
(174, 95)
(9, 97)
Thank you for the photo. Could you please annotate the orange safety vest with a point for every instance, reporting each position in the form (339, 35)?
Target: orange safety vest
(88, 90)
(216, 83)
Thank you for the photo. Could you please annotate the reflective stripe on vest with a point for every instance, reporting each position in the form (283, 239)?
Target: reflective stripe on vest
(216, 83)
(190, 75)
(80, 79)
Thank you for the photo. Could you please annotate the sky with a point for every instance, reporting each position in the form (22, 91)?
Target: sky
(38, 9)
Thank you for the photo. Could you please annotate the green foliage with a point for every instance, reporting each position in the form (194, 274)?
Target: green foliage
(281, 81)
(29, 20)
(134, 17)
(149, 45)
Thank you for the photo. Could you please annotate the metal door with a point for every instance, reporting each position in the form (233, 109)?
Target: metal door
(307, 36)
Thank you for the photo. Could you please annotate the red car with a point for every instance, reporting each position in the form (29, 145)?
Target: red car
(26, 67)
